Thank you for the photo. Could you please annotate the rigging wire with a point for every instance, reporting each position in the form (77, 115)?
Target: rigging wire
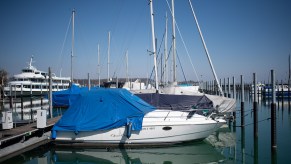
(61, 56)
(159, 60)
(181, 66)
(186, 49)
(206, 50)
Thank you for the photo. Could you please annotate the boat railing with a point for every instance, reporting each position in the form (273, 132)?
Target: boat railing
(162, 114)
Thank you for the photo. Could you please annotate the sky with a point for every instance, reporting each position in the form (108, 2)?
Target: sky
(243, 37)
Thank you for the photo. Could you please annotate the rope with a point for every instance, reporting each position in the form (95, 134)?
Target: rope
(256, 122)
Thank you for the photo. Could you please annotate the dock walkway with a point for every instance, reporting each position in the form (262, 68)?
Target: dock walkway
(20, 138)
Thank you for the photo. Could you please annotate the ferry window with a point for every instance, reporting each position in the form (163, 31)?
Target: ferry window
(27, 70)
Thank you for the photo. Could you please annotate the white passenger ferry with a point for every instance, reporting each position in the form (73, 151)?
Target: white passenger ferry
(32, 81)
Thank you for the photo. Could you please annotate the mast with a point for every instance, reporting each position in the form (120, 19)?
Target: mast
(108, 61)
(126, 56)
(206, 50)
(289, 76)
(166, 52)
(174, 44)
(154, 46)
(98, 65)
(73, 42)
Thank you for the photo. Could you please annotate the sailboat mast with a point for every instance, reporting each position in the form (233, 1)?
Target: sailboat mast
(154, 45)
(174, 44)
(108, 59)
(289, 78)
(98, 65)
(206, 50)
(165, 52)
(73, 42)
(126, 56)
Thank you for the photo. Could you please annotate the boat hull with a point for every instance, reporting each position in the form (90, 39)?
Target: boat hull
(167, 132)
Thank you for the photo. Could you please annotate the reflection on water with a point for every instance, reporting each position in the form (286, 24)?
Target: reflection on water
(193, 152)
(188, 153)
(210, 150)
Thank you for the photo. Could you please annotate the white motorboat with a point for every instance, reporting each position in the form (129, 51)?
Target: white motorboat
(159, 127)
(32, 81)
(116, 116)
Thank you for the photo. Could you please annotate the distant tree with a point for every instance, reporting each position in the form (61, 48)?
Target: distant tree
(3, 80)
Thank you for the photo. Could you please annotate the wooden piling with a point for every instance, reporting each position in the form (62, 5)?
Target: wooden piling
(277, 94)
(10, 102)
(220, 86)
(228, 87)
(21, 102)
(242, 135)
(242, 101)
(234, 97)
(282, 89)
(50, 93)
(225, 94)
(255, 106)
(31, 114)
(273, 114)
(256, 151)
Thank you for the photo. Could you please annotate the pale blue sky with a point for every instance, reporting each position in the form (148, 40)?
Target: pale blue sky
(243, 36)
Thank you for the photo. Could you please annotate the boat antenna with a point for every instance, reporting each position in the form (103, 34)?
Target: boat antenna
(154, 45)
(206, 50)
(30, 62)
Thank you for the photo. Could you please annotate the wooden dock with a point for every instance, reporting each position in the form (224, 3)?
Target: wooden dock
(23, 138)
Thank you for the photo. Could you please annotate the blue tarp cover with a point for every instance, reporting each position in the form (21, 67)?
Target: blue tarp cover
(66, 97)
(103, 109)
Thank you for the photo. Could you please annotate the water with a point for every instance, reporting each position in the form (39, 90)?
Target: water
(231, 144)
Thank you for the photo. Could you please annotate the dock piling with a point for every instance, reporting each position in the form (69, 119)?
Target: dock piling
(50, 93)
(21, 99)
(228, 87)
(242, 102)
(233, 95)
(255, 107)
(273, 113)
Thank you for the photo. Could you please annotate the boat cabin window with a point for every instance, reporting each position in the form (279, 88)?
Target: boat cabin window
(44, 74)
(27, 70)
